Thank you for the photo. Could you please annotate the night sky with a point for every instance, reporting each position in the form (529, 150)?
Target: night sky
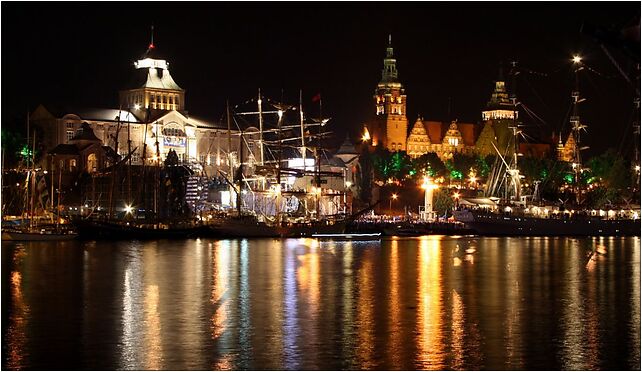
(82, 54)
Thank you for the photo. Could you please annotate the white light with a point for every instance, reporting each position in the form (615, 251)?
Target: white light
(348, 184)
(280, 112)
(137, 106)
(128, 209)
(577, 59)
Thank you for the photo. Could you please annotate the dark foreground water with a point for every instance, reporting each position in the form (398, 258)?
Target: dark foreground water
(425, 303)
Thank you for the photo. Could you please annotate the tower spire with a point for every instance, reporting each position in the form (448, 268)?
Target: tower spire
(151, 43)
(389, 73)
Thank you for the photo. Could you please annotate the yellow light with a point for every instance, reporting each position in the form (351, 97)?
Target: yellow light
(577, 59)
(348, 184)
(427, 184)
(456, 195)
(394, 196)
(366, 135)
(128, 209)
(637, 168)
(137, 106)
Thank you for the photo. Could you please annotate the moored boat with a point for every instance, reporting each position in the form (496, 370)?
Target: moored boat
(43, 233)
(495, 223)
(104, 229)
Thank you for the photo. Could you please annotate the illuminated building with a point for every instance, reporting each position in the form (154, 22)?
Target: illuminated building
(390, 126)
(151, 115)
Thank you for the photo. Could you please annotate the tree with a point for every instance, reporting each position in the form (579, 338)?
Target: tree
(428, 164)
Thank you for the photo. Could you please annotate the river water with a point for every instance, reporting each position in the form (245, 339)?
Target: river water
(435, 302)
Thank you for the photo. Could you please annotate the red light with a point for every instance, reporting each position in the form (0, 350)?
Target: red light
(151, 46)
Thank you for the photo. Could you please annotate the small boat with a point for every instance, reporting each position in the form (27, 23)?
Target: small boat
(311, 228)
(496, 223)
(349, 236)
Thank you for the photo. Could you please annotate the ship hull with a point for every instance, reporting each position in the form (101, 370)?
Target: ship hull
(116, 231)
(510, 225)
(233, 228)
(36, 236)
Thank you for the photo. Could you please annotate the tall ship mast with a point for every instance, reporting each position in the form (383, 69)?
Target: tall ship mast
(283, 183)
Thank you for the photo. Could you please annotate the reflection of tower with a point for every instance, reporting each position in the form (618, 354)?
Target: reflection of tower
(390, 101)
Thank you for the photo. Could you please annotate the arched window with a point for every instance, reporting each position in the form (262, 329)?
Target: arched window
(92, 163)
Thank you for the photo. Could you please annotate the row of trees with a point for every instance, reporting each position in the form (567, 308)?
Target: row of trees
(606, 179)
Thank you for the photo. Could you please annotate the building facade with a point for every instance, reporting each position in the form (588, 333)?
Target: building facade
(150, 121)
(390, 125)
(496, 131)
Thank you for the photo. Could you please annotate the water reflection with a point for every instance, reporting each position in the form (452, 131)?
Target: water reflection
(15, 336)
(365, 312)
(430, 341)
(397, 304)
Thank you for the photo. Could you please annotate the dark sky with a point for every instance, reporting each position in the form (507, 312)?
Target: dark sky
(82, 54)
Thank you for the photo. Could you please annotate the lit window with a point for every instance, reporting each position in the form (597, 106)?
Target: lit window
(70, 135)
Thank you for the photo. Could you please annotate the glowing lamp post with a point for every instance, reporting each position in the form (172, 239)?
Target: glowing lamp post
(345, 197)
(428, 186)
(456, 197)
(392, 197)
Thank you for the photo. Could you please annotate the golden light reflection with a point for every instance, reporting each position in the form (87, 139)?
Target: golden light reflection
(512, 321)
(457, 332)
(394, 302)
(16, 333)
(220, 279)
(348, 316)
(308, 279)
(579, 351)
(430, 342)
(634, 335)
(153, 348)
(365, 313)
(308, 273)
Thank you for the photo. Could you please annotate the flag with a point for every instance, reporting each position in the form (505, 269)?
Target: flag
(316, 98)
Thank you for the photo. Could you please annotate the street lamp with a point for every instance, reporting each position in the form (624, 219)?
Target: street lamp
(456, 197)
(345, 197)
(429, 186)
(392, 197)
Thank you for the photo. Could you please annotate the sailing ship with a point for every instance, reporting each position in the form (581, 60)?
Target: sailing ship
(40, 224)
(513, 215)
(279, 184)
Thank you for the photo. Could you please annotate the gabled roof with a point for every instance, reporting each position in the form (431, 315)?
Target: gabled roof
(94, 114)
(152, 77)
(64, 149)
(347, 148)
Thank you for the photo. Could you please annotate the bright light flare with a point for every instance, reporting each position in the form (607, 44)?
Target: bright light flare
(577, 59)
(394, 196)
(428, 184)
(128, 209)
